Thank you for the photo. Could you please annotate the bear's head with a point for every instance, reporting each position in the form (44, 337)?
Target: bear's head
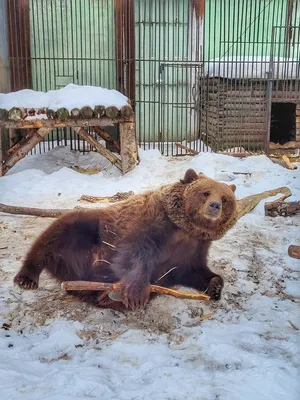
(202, 206)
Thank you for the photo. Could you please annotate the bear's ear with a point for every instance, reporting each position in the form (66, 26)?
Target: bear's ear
(232, 187)
(189, 176)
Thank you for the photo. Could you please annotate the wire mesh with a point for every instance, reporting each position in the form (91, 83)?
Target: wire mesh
(203, 73)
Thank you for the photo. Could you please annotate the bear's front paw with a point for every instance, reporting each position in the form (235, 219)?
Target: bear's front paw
(215, 287)
(135, 295)
(26, 282)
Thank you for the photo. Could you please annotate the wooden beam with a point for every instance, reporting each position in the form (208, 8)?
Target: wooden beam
(55, 123)
(32, 141)
(98, 147)
(106, 136)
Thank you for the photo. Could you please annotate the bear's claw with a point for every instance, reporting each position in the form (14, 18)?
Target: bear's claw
(215, 288)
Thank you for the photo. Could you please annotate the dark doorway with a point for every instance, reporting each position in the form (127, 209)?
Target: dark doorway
(283, 122)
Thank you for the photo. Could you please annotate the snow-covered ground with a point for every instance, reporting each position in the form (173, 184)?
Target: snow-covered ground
(54, 348)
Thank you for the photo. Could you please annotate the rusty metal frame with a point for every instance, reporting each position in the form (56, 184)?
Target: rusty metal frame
(19, 43)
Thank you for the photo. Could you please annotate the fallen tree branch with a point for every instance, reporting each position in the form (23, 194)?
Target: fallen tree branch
(38, 212)
(294, 251)
(116, 287)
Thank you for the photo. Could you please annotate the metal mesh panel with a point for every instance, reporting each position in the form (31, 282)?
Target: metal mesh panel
(205, 73)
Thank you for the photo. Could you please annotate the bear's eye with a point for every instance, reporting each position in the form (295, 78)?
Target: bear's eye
(224, 199)
(206, 194)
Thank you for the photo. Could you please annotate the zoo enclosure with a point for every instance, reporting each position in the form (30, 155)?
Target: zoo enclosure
(206, 73)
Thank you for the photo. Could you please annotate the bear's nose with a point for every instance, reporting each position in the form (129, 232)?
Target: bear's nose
(215, 205)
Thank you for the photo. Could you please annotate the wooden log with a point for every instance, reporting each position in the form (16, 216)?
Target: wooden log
(36, 138)
(16, 114)
(294, 251)
(112, 112)
(246, 204)
(20, 143)
(287, 162)
(126, 111)
(62, 114)
(56, 123)
(15, 136)
(129, 148)
(87, 112)
(181, 146)
(51, 114)
(3, 113)
(116, 287)
(75, 113)
(98, 146)
(99, 111)
(106, 136)
(37, 212)
(282, 208)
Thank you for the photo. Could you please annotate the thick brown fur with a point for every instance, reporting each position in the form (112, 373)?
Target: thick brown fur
(161, 236)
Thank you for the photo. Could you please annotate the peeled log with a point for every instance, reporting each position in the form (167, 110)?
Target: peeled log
(282, 208)
(50, 113)
(16, 114)
(87, 112)
(62, 114)
(75, 113)
(126, 111)
(112, 112)
(294, 251)
(246, 204)
(99, 111)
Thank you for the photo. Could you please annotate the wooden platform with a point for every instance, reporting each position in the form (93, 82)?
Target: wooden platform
(39, 123)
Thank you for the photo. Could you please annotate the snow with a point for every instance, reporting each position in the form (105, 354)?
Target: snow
(53, 348)
(252, 67)
(69, 97)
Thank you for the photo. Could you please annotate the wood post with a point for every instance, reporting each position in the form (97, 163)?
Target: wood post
(129, 148)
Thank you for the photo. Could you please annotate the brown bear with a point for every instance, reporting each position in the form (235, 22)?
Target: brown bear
(162, 235)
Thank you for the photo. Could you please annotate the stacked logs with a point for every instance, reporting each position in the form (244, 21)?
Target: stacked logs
(17, 114)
